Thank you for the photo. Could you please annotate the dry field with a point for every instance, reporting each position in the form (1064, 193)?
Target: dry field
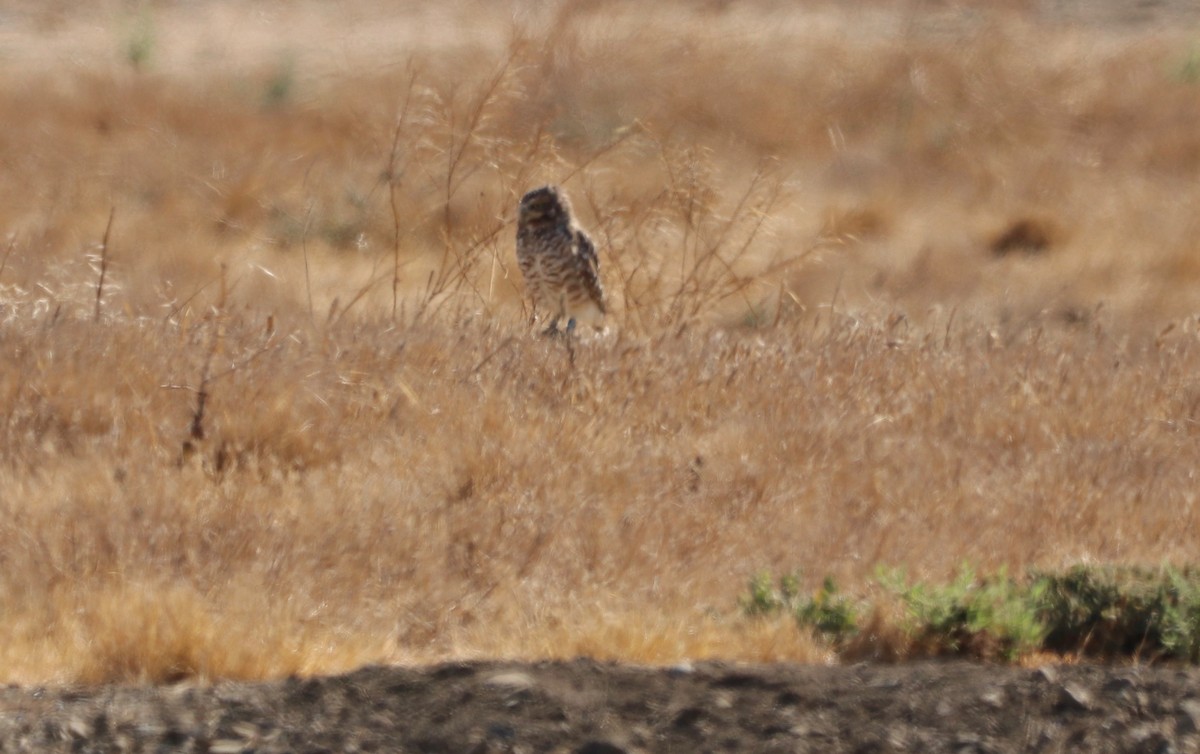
(905, 284)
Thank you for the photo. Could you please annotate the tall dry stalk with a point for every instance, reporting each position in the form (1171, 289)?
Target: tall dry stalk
(103, 264)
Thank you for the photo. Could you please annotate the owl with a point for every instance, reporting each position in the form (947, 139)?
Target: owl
(558, 260)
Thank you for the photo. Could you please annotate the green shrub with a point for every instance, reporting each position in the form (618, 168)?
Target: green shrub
(1086, 610)
(1123, 611)
(140, 41)
(828, 613)
(988, 616)
(764, 598)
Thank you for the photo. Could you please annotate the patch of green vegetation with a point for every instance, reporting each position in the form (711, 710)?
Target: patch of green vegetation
(1093, 611)
(1188, 69)
(139, 44)
(343, 234)
(281, 84)
(1109, 611)
(765, 598)
(830, 614)
(990, 616)
(827, 613)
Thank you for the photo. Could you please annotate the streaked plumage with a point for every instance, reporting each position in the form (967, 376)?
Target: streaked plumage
(557, 260)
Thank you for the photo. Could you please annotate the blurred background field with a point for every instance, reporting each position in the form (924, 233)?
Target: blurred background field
(893, 283)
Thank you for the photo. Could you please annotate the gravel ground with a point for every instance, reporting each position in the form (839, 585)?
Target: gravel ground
(585, 706)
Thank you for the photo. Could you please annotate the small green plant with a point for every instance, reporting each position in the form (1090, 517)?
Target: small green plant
(995, 614)
(1188, 70)
(1181, 617)
(828, 613)
(1123, 611)
(281, 84)
(764, 598)
(139, 45)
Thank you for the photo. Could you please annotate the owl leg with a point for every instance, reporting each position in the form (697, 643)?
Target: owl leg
(553, 328)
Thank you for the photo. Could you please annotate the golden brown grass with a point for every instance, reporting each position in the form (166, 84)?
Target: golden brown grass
(822, 356)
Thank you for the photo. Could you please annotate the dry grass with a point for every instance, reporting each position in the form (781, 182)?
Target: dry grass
(912, 288)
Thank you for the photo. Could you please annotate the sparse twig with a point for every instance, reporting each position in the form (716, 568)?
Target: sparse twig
(949, 324)
(393, 177)
(197, 430)
(196, 427)
(103, 264)
(12, 243)
(517, 186)
(712, 252)
(372, 281)
(461, 275)
(181, 305)
(495, 351)
(625, 135)
(455, 267)
(304, 250)
(837, 291)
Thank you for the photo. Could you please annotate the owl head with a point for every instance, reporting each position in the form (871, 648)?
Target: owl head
(547, 205)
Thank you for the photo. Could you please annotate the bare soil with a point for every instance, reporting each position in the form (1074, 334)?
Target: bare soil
(585, 706)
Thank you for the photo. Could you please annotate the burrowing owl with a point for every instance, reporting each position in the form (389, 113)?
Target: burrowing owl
(557, 260)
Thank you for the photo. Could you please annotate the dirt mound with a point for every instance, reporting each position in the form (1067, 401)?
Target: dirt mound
(584, 706)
